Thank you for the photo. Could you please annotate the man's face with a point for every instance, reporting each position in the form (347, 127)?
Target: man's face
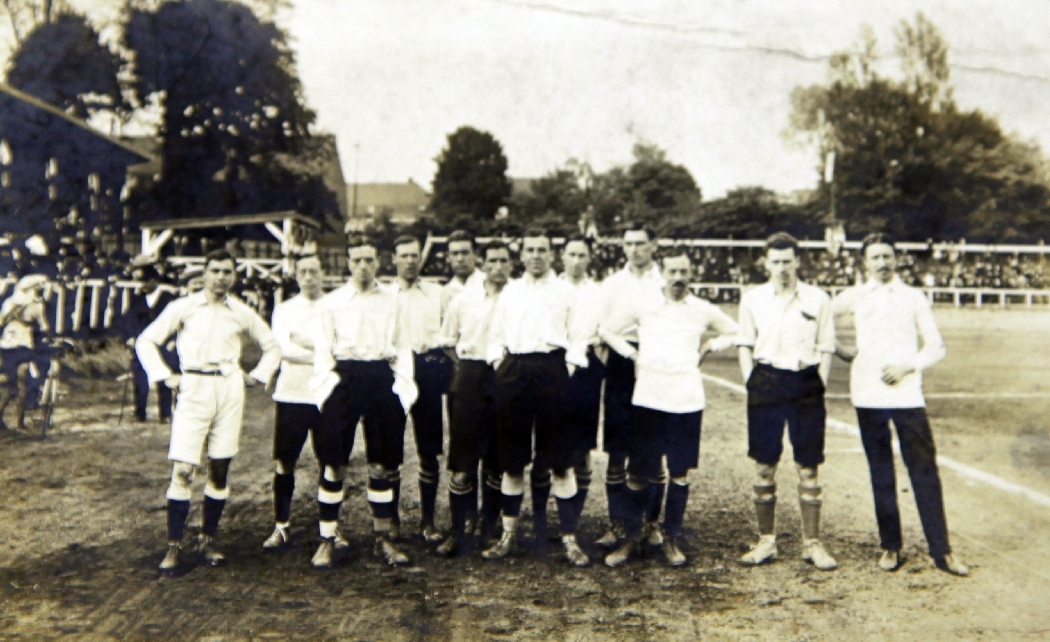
(308, 275)
(497, 266)
(782, 266)
(638, 248)
(536, 254)
(196, 284)
(881, 261)
(461, 258)
(678, 272)
(363, 263)
(406, 260)
(576, 257)
(219, 276)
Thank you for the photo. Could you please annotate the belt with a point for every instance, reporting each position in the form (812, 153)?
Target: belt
(204, 373)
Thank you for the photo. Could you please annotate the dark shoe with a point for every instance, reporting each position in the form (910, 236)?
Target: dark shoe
(674, 555)
(277, 540)
(450, 546)
(573, 552)
(431, 534)
(611, 536)
(390, 553)
(625, 551)
(325, 554)
(170, 563)
(211, 555)
(951, 565)
(500, 549)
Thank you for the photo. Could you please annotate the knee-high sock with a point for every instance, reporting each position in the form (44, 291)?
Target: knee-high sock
(541, 492)
(214, 503)
(634, 505)
(460, 497)
(765, 508)
(428, 488)
(395, 485)
(583, 484)
(329, 499)
(380, 498)
(283, 491)
(490, 503)
(652, 511)
(569, 515)
(616, 491)
(674, 511)
(178, 510)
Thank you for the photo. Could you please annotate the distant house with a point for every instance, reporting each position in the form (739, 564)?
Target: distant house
(403, 202)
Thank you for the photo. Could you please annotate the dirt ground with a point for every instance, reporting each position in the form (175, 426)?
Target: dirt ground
(82, 517)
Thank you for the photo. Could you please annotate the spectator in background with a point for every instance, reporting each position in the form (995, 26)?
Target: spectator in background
(146, 305)
(23, 321)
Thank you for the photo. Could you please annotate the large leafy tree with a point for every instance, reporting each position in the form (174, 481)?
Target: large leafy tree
(909, 160)
(471, 178)
(233, 110)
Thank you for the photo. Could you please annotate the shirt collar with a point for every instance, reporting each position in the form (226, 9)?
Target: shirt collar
(202, 299)
(652, 273)
(531, 280)
(565, 277)
(894, 284)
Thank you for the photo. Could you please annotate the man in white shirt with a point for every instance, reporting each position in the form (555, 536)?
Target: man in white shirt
(623, 294)
(462, 259)
(786, 340)
(209, 327)
(472, 429)
(533, 355)
(356, 352)
(886, 385)
(668, 402)
(420, 307)
(296, 415)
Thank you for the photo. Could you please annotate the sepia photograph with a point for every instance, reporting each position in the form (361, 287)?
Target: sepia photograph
(571, 320)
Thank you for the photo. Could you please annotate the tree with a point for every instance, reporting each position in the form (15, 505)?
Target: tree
(908, 160)
(471, 176)
(23, 16)
(62, 62)
(232, 106)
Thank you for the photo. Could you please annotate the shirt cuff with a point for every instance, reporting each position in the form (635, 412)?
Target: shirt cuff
(261, 376)
(158, 375)
(722, 343)
(577, 357)
(322, 386)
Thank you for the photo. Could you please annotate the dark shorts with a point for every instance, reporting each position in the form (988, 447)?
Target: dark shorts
(583, 397)
(530, 390)
(619, 389)
(656, 434)
(776, 397)
(433, 370)
(12, 358)
(292, 423)
(365, 389)
(472, 435)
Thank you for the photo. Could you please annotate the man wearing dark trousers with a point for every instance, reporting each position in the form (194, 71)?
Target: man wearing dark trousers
(637, 284)
(358, 356)
(886, 386)
(473, 423)
(144, 307)
(419, 321)
(786, 340)
(668, 403)
(534, 355)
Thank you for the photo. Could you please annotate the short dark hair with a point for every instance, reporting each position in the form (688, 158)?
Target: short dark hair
(676, 251)
(639, 226)
(462, 235)
(360, 240)
(405, 239)
(781, 241)
(221, 254)
(308, 256)
(576, 237)
(494, 244)
(535, 233)
(876, 238)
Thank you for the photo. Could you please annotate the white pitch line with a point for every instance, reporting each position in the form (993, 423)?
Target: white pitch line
(966, 395)
(947, 462)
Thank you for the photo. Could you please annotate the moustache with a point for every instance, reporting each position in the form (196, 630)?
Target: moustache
(677, 284)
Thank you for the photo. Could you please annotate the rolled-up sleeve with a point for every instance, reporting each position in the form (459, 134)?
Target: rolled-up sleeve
(825, 328)
(156, 334)
(933, 349)
(271, 358)
(746, 333)
(726, 329)
(497, 332)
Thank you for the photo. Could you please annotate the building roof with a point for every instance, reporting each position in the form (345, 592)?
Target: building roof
(229, 221)
(404, 200)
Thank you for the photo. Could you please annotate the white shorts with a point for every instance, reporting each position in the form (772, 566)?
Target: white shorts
(209, 408)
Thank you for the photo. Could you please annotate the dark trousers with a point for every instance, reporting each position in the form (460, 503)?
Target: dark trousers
(619, 389)
(529, 392)
(920, 457)
(433, 370)
(141, 385)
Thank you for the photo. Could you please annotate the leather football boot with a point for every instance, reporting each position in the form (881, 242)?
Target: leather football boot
(278, 539)
(890, 561)
(611, 536)
(674, 555)
(323, 558)
(502, 548)
(814, 553)
(624, 552)
(952, 565)
(764, 551)
(171, 559)
(209, 553)
(390, 553)
(573, 552)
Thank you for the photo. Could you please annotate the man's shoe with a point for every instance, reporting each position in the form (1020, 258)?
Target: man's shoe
(211, 555)
(500, 549)
(654, 535)
(278, 539)
(325, 554)
(623, 553)
(390, 553)
(339, 542)
(890, 561)
(573, 552)
(764, 551)
(431, 534)
(814, 553)
(611, 536)
(450, 546)
(674, 555)
(950, 564)
(171, 559)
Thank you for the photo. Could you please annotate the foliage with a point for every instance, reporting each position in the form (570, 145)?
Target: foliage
(471, 177)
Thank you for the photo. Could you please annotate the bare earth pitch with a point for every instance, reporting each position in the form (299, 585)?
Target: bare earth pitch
(81, 514)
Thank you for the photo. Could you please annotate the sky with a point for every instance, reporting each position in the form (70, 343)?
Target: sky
(709, 82)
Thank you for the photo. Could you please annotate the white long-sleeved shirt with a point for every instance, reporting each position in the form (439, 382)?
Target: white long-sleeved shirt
(789, 331)
(587, 309)
(890, 320)
(622, 295)
(292, 323)
(667, 373)
(467, 322)
(536, 315)
(419, 314)
(208, 338)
